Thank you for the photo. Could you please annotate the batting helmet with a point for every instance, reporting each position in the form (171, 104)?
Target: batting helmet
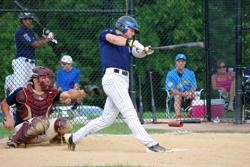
(42, 71)
(25, 15)
(125, 22)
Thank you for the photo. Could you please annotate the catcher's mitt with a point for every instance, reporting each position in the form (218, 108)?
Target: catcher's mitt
(92, 90)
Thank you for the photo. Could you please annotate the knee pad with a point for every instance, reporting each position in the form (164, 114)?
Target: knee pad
(30, 130)
(62, 126)
(37, 126)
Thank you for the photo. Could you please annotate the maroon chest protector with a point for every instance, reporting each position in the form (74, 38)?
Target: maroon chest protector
(34, 105)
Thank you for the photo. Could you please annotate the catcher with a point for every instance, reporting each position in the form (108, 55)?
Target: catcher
(34, 105)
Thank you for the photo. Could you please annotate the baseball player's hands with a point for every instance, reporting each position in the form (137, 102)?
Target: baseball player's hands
(148, 51)
(9, 123)
(135, 43)
(138, 53)
(49, 35)
(45, 32)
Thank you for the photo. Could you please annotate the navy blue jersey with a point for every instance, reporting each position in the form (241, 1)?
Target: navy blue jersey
(113, 55)
(11, 100)
(24, 38)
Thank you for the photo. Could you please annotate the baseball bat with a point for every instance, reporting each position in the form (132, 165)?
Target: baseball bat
(25, 10)
(35, 19)
(141, 103)
(152, 98)
(188, 45)
(172, 123)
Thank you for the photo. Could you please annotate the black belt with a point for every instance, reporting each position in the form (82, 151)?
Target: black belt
(122, 72)
(30, 61)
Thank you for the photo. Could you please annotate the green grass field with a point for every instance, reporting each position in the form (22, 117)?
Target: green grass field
(119, 128)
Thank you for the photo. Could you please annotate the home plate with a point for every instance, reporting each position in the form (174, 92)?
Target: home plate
(178, 149)
(171, 150)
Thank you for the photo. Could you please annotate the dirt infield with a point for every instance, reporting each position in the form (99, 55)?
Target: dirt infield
(198, 149)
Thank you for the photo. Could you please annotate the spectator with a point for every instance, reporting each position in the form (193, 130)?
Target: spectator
(224, 82)
(34, 104)
(26, 43)
(181, 82)
(68, 77)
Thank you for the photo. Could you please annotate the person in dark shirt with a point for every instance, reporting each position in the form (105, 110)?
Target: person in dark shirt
(26, 43)
(116, 46)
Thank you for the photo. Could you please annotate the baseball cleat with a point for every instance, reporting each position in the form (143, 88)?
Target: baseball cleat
(71, 144)
(11, 144)
(69, 140)
(158, 148)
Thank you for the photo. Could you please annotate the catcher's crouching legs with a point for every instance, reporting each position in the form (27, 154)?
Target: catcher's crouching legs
(29, 130)
(61, 126)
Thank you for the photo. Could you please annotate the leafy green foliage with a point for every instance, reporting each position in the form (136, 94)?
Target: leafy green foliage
(172, 24)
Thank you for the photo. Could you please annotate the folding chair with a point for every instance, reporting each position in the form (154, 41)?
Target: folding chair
(184, 107)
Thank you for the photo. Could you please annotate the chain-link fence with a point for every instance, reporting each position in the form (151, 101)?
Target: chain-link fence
(77, 26)
(245, 59)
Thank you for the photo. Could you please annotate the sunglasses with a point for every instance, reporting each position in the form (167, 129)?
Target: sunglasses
(64, 63)
(220, 67)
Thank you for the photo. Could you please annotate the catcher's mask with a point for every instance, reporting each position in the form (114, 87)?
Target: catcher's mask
(125, 22)
(45, 77)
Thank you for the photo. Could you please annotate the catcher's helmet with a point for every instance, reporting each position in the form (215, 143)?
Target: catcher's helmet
(25, 15)
(125, 22)
(42, 71)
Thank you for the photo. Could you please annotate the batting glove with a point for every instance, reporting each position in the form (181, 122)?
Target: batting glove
(135, 43)
(148, 51)
(50, 36)
(46, 32)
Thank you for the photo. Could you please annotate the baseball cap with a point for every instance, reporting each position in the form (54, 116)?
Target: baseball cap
(66, 59)
(180, 56)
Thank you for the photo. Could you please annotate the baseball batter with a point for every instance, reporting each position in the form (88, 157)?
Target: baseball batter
(26, 43)
(115, 47)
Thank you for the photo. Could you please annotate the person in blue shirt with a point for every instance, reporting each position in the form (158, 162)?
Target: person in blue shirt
(181, 82)
(26, 43)
(116, 46)
(68, 77)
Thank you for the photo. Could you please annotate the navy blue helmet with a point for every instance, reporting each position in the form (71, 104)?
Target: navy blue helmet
(25, 15)
(125, 22)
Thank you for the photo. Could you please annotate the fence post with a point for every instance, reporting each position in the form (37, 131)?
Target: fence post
(238, 69)
(130, 9)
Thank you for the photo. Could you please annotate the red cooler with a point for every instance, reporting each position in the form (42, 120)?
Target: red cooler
(199, 108)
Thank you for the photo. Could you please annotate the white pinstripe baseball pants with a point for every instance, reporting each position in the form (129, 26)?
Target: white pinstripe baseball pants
(22, 69)
(116, 87)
